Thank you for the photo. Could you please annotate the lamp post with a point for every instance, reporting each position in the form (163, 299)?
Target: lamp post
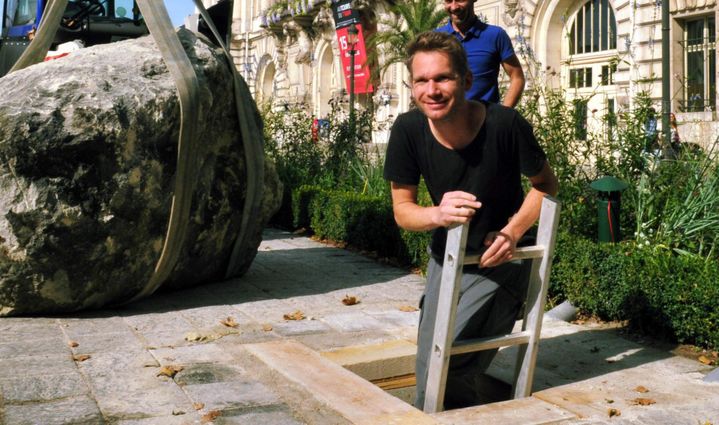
(352, 36)
(666, 88)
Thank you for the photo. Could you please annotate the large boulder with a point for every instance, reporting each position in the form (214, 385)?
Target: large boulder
(88, 151)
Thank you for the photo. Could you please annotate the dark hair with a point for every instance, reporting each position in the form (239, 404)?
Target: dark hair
(434, 41)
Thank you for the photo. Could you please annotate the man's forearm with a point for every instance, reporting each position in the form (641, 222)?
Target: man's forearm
(514, 93)
(531, 206)
(526, 216)
(455, 207)
(514, 70)
(415, 218)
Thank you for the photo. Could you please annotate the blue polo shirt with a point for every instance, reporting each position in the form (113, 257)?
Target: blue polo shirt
(487, 46)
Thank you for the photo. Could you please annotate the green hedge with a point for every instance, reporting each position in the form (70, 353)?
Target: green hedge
(366, 222)
(657, 291)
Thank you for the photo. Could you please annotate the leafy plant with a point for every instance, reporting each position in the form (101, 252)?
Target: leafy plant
(678, 204)
(406, 20)
(369, 172)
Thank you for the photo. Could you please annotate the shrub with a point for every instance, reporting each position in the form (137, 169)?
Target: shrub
(656, 290)
(302, 197)
(364, 221)
(303, 158)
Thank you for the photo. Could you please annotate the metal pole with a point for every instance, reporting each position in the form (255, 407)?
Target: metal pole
(666, 76)
(352, 88)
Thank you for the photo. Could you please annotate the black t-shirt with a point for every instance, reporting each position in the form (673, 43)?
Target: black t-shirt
(490, 167)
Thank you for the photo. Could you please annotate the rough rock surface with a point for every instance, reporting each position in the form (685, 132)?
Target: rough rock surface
(88, 147)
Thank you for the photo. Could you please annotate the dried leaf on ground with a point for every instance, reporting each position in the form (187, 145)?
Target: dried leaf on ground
(350, 300)
(408, 308)
(297, 315)
(80, 357)
(170, 371)
(641, 389)
(194, 337)
(198, 406)
(72, 344)
(613, 412)
(643, 401)
(266, 327)
(705, 360)
(230, 322)
(210, 416)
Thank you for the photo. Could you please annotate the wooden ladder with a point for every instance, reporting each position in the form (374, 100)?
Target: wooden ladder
(527, 338)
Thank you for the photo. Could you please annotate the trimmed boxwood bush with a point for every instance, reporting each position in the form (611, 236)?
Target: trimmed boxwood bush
(656, 290)
(366, 222)
(301, 199)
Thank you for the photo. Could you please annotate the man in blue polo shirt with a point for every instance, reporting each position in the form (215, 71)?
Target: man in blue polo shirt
(487, 47)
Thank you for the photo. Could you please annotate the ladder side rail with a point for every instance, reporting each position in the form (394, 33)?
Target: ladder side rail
(537, 295)
(443, 335)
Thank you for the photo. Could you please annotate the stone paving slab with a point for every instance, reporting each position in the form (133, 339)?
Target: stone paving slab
(43, 387)
(527, 411)
(352, 322)
(105, 366)
(78, 410)
(56, 363)
(20, 347)
(193, 354)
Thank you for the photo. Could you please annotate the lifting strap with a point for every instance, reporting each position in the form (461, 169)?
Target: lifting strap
(160, 26)
(252, 140)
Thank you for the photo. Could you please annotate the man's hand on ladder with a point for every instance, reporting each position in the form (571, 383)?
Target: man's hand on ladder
(500, 249)
(455, 207)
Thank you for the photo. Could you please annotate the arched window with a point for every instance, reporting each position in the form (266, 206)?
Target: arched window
(266, 83)
(594, 28)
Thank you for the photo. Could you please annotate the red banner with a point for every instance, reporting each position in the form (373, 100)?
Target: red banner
(362, 76)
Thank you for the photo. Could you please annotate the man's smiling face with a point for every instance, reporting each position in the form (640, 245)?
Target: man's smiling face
(461, 12)
(436, 87)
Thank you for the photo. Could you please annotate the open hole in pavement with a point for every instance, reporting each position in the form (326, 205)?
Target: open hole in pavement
(390, 366)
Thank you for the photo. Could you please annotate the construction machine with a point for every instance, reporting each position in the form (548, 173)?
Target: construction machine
(84, 22)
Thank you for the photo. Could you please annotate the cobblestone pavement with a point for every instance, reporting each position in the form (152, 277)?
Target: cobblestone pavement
(169, 360)
(112, 366)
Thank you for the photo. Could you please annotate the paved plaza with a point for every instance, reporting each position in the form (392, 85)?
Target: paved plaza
(230, 353)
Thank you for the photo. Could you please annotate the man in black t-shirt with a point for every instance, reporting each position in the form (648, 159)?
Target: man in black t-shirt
(471, 156)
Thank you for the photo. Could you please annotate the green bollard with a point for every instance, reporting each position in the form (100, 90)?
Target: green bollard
(609, 191)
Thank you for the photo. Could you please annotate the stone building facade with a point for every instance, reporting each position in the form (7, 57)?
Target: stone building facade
(602, 52)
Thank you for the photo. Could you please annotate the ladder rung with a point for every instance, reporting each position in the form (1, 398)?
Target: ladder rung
(525, 252)
(536, 251)
(481, 344)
